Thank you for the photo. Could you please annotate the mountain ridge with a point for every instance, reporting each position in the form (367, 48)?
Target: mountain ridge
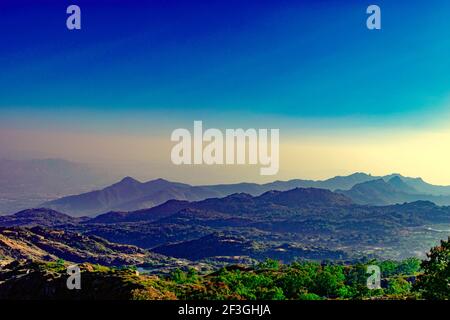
(299, 218)
(130, 194)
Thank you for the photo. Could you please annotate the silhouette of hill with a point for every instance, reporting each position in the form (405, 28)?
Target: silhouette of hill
(130, 194)
(38, 217)
(235, 203)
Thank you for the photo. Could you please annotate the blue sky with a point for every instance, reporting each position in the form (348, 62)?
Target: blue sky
(162, 64)
(291, 58)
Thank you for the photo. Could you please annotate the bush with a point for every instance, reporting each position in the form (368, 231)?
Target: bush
(309, 296)
(398, 286)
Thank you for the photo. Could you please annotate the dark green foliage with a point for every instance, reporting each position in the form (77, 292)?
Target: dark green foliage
(181, 277)
(407, 267)
(434, 283)
(398, 286)
(269, 264)
(271, 280)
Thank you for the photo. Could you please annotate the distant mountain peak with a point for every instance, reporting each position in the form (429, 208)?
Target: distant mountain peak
(160, 181)
(396, 174)
(399, 183)
(128, 180)
(360, 174)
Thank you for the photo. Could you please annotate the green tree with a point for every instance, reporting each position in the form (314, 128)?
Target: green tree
(388, 268)
(398, 286)
(297, 279)
(409, 266)
(434, 283)
(269, 264)
(182, 277)
(329, 281)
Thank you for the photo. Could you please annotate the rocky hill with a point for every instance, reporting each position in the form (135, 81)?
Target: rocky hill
(41, 244)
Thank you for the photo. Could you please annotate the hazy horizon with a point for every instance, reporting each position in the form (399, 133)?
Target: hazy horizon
(111, 176)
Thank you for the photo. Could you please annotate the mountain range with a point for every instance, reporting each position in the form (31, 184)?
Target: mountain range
(129, 194)
(342, 218)
(395, 190)
(306, 223)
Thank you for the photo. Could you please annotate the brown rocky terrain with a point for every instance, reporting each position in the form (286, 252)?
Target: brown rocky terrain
(41, 244)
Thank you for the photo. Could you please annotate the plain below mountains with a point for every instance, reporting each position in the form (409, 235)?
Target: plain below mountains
(28, 183)
(130, 194)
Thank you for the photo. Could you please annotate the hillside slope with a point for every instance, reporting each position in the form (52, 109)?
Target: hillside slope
(40, 244)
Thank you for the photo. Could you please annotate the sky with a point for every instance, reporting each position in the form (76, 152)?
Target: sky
(345, 98)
